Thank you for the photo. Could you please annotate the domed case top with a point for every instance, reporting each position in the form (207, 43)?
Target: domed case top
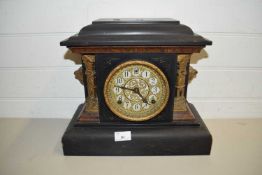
(136, 32)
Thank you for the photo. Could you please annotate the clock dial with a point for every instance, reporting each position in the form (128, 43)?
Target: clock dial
(136, 90)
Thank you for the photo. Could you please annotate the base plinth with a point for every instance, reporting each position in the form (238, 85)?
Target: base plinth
(162, 139)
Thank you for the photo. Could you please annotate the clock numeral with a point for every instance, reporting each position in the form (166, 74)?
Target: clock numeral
(152, 81)
(126, 74)
(146, 74)
(119, 81)
(145, 105)
(127, 105)
(136, 71)
(120, 99)
(136, 107)
(155, 90)
(117, 90)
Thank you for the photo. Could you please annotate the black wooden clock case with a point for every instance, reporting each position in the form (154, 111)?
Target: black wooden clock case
(167, 44)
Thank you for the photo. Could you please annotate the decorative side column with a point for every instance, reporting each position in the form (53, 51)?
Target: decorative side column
(180, 99)
(91, 100)
(180, 104)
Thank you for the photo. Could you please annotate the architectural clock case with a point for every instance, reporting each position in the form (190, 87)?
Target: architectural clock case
(135, 87)
(135, 74)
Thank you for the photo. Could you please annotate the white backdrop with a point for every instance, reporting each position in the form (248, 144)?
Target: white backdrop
(36, 80)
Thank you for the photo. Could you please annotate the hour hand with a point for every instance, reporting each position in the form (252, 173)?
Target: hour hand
(123, 87)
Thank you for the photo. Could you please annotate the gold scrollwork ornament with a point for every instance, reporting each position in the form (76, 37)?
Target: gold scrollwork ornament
(79, 75)
(91, 100)
(180, 100)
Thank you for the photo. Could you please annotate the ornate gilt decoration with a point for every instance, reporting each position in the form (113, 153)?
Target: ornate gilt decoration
(192, 73)
(91, 100)
(180, 99)
(79, 75)
(91, 105)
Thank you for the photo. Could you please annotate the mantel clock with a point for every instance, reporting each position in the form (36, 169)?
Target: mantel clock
(135, 74)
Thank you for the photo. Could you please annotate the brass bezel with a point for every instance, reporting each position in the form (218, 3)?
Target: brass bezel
(144, 63)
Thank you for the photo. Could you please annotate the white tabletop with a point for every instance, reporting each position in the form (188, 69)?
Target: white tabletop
(33, 146)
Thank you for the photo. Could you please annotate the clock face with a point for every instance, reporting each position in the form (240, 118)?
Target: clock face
(136, 90)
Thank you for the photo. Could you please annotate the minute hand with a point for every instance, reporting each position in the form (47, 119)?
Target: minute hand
(143, 98)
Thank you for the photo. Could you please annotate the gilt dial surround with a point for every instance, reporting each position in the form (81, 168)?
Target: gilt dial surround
(136, 90)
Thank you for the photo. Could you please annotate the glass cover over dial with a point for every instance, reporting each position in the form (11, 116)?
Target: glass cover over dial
(136, 90)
